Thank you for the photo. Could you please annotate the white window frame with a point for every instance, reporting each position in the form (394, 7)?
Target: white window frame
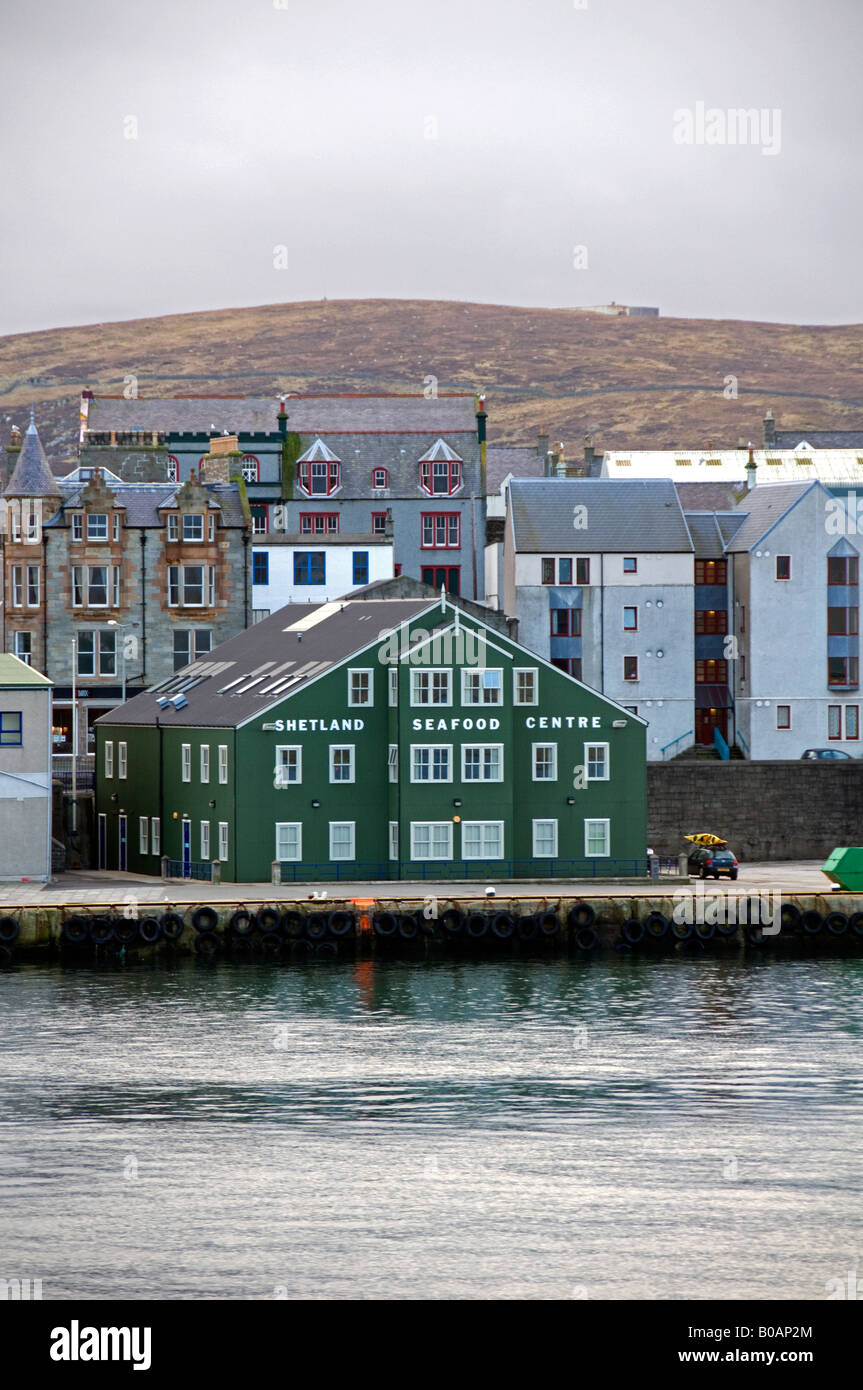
(597, 820)
(223, 842)
(115, 526)
(606, 777)
(109, 757)
(205, 841)
(17, 586)
(205, 762)
(185, 762)
(393, 686)
(431, 825)
(296, 825)
(189, 517)
(91, 516)
(342, 748)
(466, 747)
(122, 759)
(155, 835)
(431, 748)
(525, 671)
(361, 671)
(77, 526)
(31, 570)
(340, 825)
(483, 851)
(282, 763)
(431, 671)
(223, 764)
(543, 854)
(211, 527)
(467, 674)
(393, 762)
(173, 526)
(534, 748)
(143, 835)
(394, 839)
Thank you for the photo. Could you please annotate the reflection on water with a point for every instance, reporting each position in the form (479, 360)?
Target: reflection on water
(639, 1129)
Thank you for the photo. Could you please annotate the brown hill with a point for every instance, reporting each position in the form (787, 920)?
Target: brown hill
(631, 382)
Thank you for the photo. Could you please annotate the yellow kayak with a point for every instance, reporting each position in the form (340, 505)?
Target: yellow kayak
(705, 838)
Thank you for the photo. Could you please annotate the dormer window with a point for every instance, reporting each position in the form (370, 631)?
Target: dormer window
(319, 471)
(77, 527)
(97, 526)
(173, 528)
(251, 468)
(380, 478)
(440, 471)
(193, 527)
(173, 468)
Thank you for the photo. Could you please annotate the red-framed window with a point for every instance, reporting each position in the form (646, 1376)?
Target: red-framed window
(712, 673)
(440, 530)
(630, 564)
(448, 576)
(842, 670)
(318, 478)
(565, 622)
(251, 468)
(548, 568)
(379, 523)
(380, 478)
(852, 721)
(564, 571)
(582, 571)
(397, 569)
(173, 468)
(711, 571)
(260, 518)
(842, 622)
(842, 569)
(783, 566)
(630, 668)
(570, 664)
(834, 722)
(711, 620)
(630, 619)
(783, 716)
(440, 477)
(319, 523)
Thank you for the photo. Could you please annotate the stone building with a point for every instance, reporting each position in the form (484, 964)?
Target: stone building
(109, 586)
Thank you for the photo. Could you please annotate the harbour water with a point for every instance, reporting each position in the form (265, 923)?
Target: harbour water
(618, 1128)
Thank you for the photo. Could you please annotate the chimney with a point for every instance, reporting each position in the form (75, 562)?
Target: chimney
(590, 457)
(481, 417)
(751, 469)
(542, 447)
(388, 522)
(769, 430)
(282, 420)
(560, 461)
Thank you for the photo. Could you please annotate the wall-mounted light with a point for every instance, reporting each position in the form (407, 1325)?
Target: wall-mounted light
(618, 723)
(456, 801)
(570, 801)
(115, 796)
(212, 803)
(175, 815)
(316, 804)
(456, 820)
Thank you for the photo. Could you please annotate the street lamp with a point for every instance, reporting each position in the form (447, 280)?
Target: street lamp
(122, 629)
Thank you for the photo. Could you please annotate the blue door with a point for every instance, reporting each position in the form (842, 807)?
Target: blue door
(121, 858)
(187, 849)
(103, 842)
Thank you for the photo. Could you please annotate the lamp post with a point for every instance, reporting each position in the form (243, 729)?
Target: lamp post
(74, 734)
(122, 629)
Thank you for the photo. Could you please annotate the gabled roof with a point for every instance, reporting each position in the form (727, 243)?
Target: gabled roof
(185, 414)
(706, 535)
(640, 515)
(763, 507)
(15, 673)
(32, 476)
(268, 661)
(439, 450)
(318, 453)
(441, 414)
(142, 501)
(820, 439)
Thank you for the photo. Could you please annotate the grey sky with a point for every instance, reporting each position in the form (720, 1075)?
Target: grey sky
(306, 126)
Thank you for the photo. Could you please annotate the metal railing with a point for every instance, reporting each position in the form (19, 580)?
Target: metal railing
(485, 870)
(176, 868)
(721, 746)
(680, 737)
(61, 771)
(741, 743)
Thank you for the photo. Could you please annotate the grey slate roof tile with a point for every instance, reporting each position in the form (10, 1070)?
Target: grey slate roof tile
(32, 476)
(763, 507)
(521, 460)
(623, 515)
(448, 414)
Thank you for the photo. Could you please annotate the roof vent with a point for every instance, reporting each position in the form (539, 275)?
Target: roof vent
(179, 701)
(163, 702)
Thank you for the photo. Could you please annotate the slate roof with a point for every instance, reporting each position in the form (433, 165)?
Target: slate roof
(706, 535)
(267, 662)
(143, 500)
(32, 476)
(246, 414)
(636, 515)
(15, 673)
(820, 439)
(501, 460)
(708, 497)
(763, 507)
(450, 414)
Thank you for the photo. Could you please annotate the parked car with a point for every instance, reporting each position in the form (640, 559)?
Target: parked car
(825, 753)
(710, 863)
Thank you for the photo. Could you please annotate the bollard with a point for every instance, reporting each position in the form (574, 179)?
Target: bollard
(275, 872)
(216, 871)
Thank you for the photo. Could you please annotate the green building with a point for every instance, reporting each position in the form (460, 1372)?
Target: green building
(372, 739)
